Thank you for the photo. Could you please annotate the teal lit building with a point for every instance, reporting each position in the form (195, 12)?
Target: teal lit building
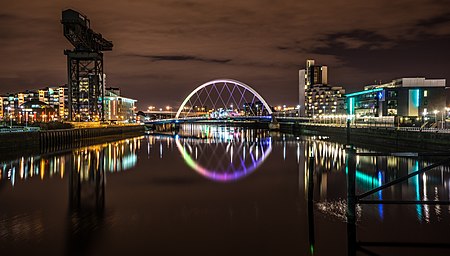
(404, 97)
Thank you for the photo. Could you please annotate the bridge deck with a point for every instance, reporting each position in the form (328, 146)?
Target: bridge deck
(212, 120)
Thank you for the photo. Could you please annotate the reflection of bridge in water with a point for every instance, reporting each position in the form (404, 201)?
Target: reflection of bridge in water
(223, 154)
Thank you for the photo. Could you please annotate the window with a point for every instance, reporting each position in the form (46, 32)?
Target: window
(392, 103)
(392, 94)
(425, 93)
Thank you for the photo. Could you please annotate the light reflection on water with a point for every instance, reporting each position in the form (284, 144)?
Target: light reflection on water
(23, 226)
(229, 155)
(223, 154)
(117, 156)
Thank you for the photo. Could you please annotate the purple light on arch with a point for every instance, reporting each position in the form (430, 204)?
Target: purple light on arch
(218, 176)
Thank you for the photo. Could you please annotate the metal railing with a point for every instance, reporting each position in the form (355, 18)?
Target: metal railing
(19, 129)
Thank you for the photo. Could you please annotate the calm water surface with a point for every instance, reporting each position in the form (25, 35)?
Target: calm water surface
(215, 191)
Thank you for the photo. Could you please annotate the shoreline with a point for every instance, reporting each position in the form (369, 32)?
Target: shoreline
(53, 141)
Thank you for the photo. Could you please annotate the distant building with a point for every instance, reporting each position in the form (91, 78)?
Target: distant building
(255, 109)
(1, 108)
(316, 96)
(9, 106)
(404, 97)
(117, 107)
(35, 111)
(63, 102)
(316, 74)
(12, 104)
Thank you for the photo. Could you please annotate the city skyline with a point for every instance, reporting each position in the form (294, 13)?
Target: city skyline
(164, 49)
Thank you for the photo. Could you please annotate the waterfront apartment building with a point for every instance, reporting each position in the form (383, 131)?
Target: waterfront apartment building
(404, 97)
(13, 105)
(117, 107)
(56, 101)
(316, 96)
(9, 104)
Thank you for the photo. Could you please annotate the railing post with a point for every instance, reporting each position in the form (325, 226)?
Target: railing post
(311, 178)
(348, 131)
(311, 204)
(351, 181)
(350, 166)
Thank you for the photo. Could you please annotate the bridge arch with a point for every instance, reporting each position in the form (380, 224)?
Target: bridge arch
(232, 86)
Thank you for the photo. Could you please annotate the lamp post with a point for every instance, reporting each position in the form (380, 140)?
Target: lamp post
(9, 115)
(313, 110)
(425, 113)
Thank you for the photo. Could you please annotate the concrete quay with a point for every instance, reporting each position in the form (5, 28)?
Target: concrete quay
(394, 137)
(55, 140)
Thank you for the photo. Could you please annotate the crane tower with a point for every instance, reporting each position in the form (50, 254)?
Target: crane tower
(86, 80)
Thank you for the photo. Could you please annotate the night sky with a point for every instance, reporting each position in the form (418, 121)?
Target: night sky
(163, 49)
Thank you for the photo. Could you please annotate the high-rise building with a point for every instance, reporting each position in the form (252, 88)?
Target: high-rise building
(316, 74)
(301, 92)
(316, 95)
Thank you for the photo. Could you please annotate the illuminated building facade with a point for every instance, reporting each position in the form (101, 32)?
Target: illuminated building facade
(56, 97)
(316, 95)
(9, 106)
(1, 108)
(255, 109)
(404, 97)
(35, 111)
(63, 102)
(117, 107)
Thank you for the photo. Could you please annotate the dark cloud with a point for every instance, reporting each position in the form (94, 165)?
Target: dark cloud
(180, 58)
(444, 18)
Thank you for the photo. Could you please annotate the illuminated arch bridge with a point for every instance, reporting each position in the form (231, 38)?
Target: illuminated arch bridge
(222, 99)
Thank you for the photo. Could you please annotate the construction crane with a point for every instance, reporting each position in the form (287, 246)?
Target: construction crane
(86, 80)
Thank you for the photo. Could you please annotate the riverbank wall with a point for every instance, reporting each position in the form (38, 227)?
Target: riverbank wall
(384, 136)
(54, 140)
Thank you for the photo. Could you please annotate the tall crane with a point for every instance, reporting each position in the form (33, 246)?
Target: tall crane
(86, 80)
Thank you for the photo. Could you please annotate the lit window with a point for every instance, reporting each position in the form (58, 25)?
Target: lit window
(425, 93)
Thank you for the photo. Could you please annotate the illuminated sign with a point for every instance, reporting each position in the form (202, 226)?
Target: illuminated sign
(381, 95)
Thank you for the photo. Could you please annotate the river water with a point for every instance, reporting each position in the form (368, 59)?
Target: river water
(215, 190)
